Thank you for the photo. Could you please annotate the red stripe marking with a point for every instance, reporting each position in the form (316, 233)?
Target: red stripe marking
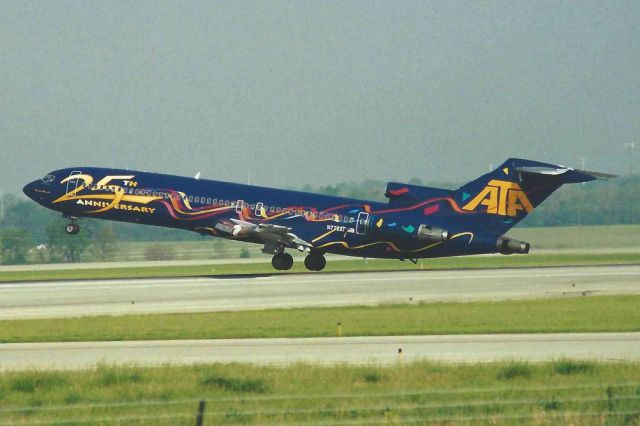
(431, 209)
(398, 192)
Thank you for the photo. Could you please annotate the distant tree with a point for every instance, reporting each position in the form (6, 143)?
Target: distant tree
(245, 253)
(15, 245)
(64, 247)
(105, 242)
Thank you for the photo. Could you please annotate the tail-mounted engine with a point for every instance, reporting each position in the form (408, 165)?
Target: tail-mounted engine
(389, 228)
(508, 245)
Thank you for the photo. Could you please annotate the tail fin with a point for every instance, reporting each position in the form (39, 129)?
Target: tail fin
(505, 196)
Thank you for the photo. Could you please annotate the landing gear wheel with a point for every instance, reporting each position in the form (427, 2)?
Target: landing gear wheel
(315, 262)
(72, 228)
(282, 261)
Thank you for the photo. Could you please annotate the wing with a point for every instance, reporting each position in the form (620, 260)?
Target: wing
(270, 235)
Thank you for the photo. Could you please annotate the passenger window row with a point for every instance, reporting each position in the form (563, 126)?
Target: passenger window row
(202, 200)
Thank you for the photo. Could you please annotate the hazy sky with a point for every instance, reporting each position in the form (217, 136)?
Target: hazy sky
(316, 92)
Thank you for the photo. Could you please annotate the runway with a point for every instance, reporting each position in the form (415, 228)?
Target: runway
(353, 350)
(144, 296)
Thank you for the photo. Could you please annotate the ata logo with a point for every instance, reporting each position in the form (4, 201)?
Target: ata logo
(502, 198)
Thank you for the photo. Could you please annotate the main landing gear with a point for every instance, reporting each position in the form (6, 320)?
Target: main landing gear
(282, 261)
(315, 262)
(72, 228)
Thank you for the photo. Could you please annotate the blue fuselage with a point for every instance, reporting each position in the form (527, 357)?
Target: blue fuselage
(328, 224)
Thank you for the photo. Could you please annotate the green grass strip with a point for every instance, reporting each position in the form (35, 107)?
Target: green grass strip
(571, 314)
(354, 265)
(560, 392)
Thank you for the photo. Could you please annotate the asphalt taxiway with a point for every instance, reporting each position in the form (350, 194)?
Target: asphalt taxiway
(353, 350)
(225, 293)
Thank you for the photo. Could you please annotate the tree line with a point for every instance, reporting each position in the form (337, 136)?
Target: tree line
(29, 232)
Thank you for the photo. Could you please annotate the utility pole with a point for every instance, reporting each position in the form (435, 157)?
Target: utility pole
(630, 145)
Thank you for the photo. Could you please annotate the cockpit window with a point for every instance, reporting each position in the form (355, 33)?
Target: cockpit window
(48, 178)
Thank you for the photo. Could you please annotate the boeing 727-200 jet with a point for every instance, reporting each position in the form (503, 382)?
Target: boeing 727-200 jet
(416, 222)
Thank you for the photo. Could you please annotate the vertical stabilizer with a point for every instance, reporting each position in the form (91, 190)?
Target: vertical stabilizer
(506, 195)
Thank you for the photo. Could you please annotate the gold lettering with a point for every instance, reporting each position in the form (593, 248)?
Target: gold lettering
(505, 187)
(487, 197)
(502, 198)
(518, 201)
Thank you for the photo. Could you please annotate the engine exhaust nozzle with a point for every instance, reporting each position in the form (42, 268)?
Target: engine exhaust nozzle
(508, 245)
(432, 233)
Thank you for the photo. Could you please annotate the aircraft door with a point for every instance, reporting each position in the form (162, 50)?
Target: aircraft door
(361, 223)
(72, 184)
(239, 206)
(258, 210)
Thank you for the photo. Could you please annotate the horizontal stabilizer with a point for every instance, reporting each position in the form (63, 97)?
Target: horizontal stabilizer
(542, 170)
(597, 175)
(569, 175)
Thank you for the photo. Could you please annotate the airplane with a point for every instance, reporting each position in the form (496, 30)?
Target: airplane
(416, 222)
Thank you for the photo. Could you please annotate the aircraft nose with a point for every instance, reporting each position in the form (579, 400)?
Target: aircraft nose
(36, 191)
(30, 189)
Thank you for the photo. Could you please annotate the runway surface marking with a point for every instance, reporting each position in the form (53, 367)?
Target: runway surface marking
(204, 294)
(354, 350)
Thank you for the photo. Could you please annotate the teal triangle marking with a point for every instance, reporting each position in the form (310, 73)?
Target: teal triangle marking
(409, 228)
(465, 196)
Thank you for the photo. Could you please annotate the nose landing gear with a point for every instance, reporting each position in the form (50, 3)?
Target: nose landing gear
(72, 228)
(315, 262)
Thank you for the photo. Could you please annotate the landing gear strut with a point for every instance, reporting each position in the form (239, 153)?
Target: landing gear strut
(315, 262)
(282, 261)
(72, 228)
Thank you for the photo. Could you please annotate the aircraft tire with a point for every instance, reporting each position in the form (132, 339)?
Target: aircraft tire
(315, 262)
(72, 228)
(288, 261)
(282, 261)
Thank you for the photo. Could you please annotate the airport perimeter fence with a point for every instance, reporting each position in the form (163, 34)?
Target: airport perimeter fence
(602, 404)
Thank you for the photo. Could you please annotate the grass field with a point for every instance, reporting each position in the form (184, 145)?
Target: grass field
(350, 265)
(574, 314)
(561, 392)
